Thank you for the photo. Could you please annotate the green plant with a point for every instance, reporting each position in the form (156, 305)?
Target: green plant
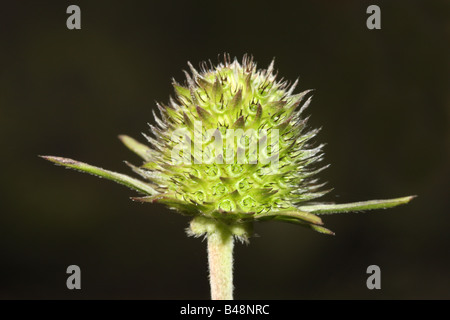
(230, 149)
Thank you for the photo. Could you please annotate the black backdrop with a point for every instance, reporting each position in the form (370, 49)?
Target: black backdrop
(382, 98)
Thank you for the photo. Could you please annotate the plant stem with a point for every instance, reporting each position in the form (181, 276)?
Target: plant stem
(220, 261)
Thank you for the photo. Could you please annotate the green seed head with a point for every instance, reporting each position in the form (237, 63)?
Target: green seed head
(233, 145)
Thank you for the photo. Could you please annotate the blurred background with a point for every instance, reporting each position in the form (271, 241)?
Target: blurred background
(381, 96)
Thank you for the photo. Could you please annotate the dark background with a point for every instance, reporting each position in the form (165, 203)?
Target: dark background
(382, 98)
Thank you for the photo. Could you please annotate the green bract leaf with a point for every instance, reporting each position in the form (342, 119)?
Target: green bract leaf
(355, 206)
(140, 149)
(294, 214)
(110, 175)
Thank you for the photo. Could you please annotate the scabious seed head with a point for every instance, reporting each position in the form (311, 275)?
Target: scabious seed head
(233, 145)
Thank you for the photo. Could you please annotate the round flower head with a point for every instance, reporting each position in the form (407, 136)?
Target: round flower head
(233, 145)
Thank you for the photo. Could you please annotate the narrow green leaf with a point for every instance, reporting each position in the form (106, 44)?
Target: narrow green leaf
(311, 226)
(355, 206)
(321, 229)
(294, 214)
(140, 149)
(110, 175)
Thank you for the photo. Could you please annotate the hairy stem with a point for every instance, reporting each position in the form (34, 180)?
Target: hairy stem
(220, 261)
